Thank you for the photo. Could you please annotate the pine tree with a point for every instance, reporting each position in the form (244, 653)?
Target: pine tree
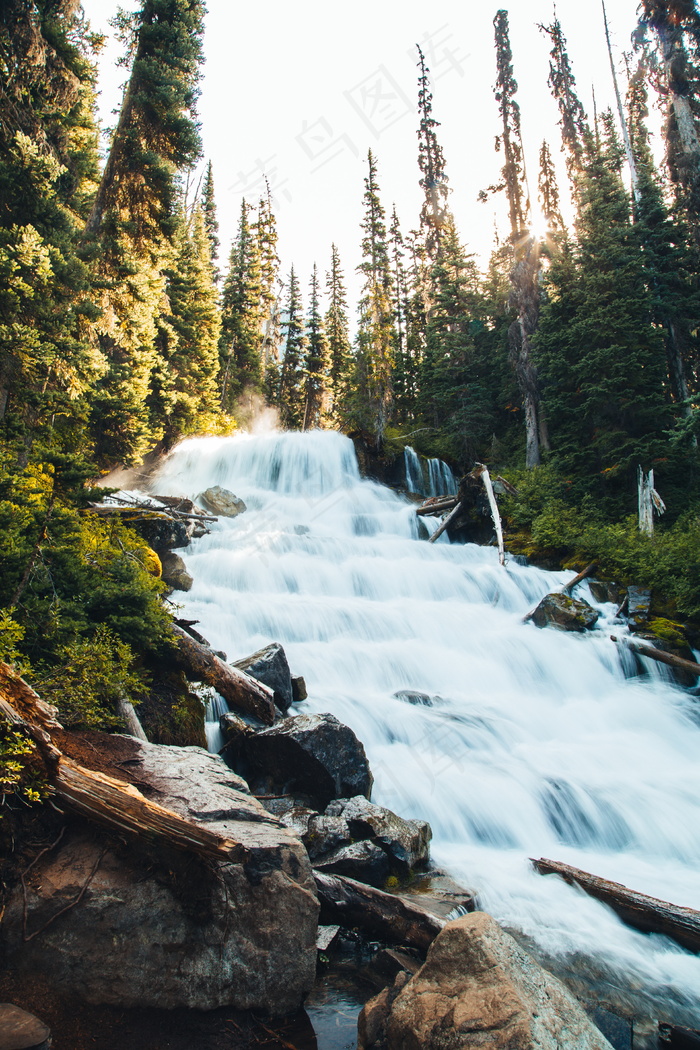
(211, 224)
(434, 216)
(239, 344)
(291, 398)
(48, 172)
(405, 376)
(338, 336)
(549, 192)
(269, 320)
(601, 356)
(184, 396)
(375, 339)
(134, 213)
(524, 297)
(575, 132)
(315, 362)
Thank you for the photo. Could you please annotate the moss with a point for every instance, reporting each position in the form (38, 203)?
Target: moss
(172, 712)
(669, 631)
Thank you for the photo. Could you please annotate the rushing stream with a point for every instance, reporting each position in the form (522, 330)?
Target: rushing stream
(534, 744)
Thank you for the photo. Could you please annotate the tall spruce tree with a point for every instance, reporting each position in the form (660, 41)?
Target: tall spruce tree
(525, 295)
(338, 336)
(405, 374)
(575, 131)
(291, 398)
(601, 355)
(211, 223)
(375, 338)
(239, 343)
(48, 173)
(270, 308)
(315, 361)
(435, 215)
(134, 213)
(184, 394)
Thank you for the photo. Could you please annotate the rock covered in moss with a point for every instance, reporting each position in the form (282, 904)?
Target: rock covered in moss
(564, 613)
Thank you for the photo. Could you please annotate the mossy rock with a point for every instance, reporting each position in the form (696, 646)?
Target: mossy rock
(172, 712)
(669, 631)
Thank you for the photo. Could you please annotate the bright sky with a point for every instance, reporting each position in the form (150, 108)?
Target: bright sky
(300, 92)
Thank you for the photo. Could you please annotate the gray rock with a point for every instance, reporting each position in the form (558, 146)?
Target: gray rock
(298, 819)
(308, 754)
(233, 726)
(478, 988)
(270, 666)
(324, 834)
(638, 606)
(175, 571)
(364, 861)
(298, 689)
(564, 613)
(163, 534)
(407, 842)
(176, 932)
(605, 591)
(325, 937)
(220, 501)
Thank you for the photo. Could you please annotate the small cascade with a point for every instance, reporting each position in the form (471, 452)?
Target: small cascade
(413, 471)
(441, 480)
(532, 743)
(216, 707)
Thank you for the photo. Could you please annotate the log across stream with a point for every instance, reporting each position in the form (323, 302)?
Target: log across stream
(513, 742)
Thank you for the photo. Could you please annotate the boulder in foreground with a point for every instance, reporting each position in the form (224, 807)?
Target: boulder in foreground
(478, 989)
(167, 929)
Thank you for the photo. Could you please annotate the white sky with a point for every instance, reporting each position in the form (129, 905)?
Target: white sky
(301, 91)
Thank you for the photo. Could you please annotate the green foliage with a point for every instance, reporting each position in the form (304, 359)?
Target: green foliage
(18, 778)
(291, 378)
(91, 676)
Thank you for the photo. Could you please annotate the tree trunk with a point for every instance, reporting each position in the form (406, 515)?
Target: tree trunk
(658, 654)
(238, 688)
(636, 909)
(445, 523)
(352, 903)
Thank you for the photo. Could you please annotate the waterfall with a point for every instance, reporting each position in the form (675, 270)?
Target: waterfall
(441, 479)
(413, 471)
(534, 742)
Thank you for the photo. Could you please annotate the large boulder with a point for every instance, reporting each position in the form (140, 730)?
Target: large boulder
(220, 501)
(270, 666)
(363, 861)
(478, 988)
(309, 754)
(163, 534)
(406, 842)
(638, 607)
(164, 929)
(564, 613)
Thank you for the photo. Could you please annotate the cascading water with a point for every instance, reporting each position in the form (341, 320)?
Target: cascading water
(534, 743)
(441, 480)
(413, 471)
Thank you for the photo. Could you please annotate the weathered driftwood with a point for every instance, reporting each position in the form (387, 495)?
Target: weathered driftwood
(352, 903)
(658, 654)
(445, 523)
(565, 589)
(99, 797)
(636, 909)
(481, 471)
(142, 510)
(127, 711)
(238, 688)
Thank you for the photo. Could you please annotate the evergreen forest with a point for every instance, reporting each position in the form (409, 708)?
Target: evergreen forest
(566, 364)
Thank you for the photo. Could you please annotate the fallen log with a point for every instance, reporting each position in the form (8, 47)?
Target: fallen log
(445, 523)
(351, 903)
(141, 510)
(436, 505)
(658, 654)
(99, 797)
(238, 688)
(647, 914)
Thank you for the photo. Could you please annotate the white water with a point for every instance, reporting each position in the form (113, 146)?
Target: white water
(537, 744)
(441, 480)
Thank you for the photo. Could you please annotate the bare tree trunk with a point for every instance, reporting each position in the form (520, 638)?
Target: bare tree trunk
(621, 114)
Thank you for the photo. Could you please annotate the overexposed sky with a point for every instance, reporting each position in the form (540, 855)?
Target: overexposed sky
(300, 92)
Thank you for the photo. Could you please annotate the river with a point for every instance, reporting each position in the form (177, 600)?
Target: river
(535, 743)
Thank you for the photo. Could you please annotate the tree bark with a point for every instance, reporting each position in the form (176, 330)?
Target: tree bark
(238, 688)
(481, 471)
(647, 914)
(437, 506)
(352, 903)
